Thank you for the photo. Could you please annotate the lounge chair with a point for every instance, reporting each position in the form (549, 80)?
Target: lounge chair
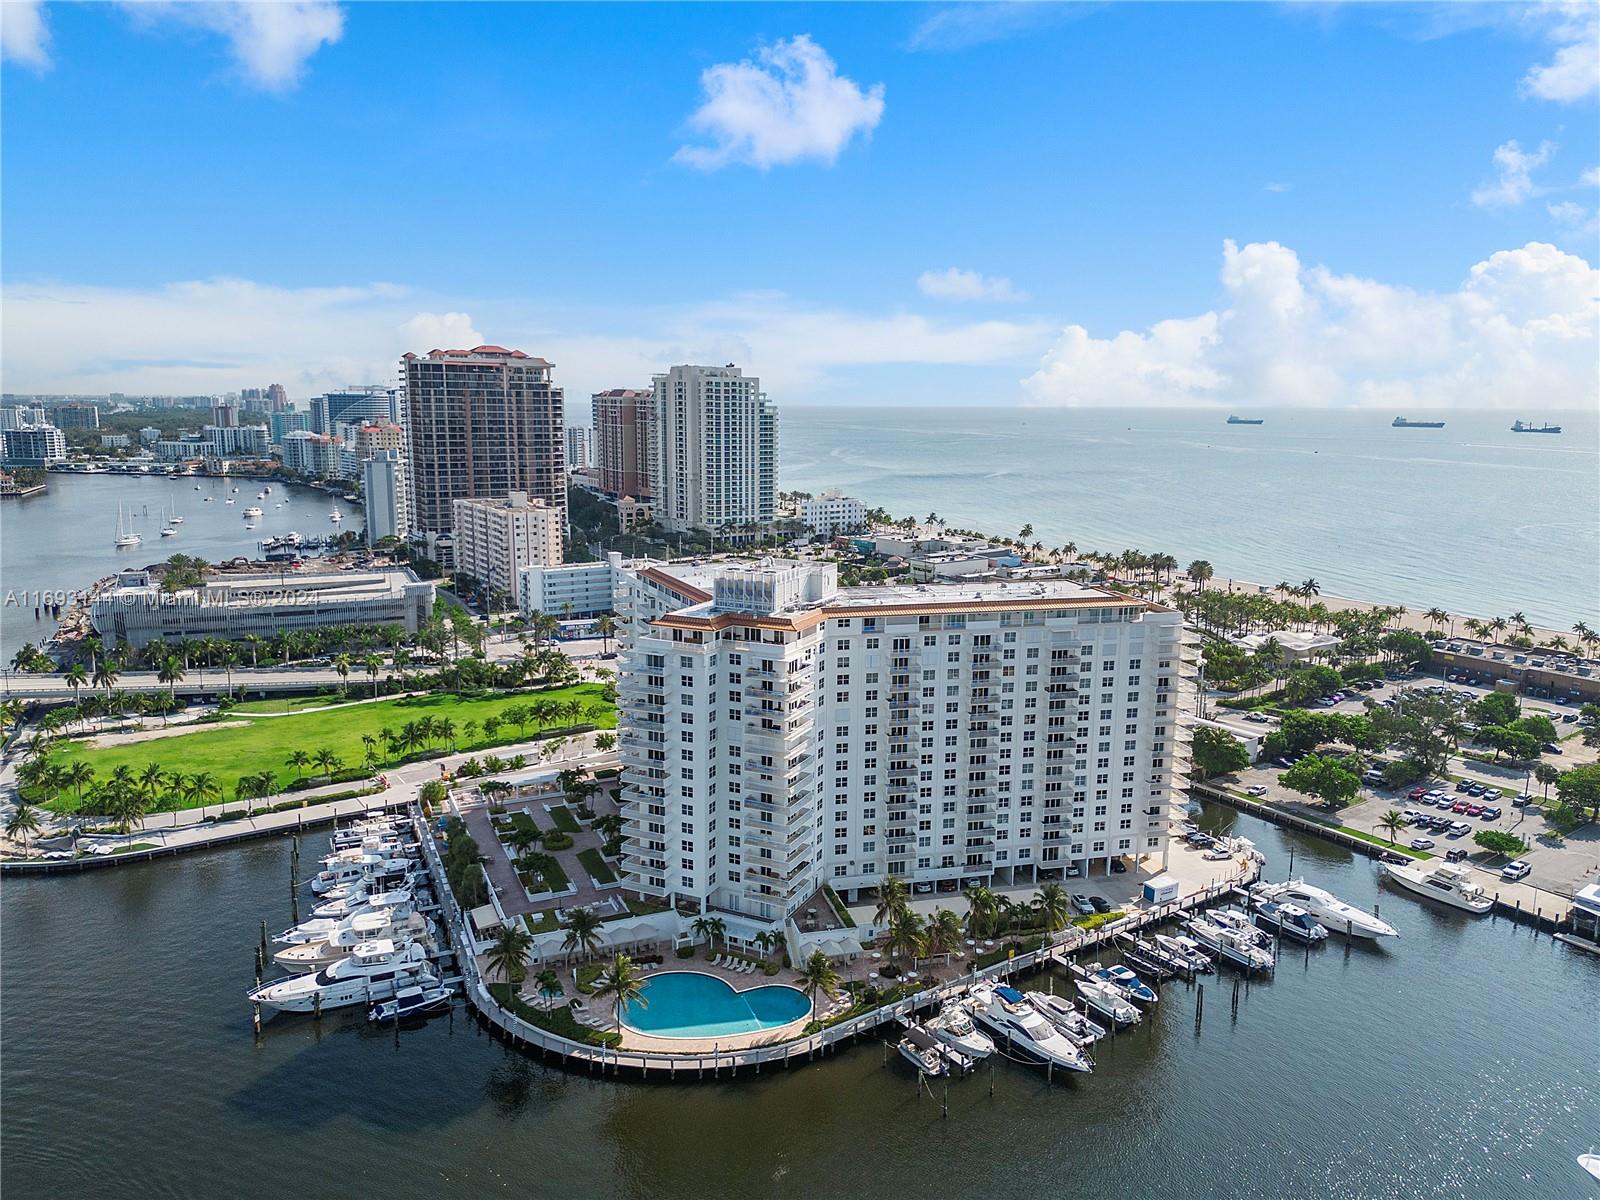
(749, 968)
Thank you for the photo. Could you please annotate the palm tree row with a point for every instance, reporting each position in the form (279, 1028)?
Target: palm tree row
(988, 914)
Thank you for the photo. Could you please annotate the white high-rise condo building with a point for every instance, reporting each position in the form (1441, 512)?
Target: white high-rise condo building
(779, 733)
(579, 456)
(831, 513)
(495, 539)
(384, 493)
(715, 452)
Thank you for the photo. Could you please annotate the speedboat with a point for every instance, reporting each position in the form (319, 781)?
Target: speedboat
(953, 1027)
(1129, 984)
(1290, 920)
(1074, 1026)
(1591, 1164)
(229, 500)
(336, 516)
(341, 942)
(1447, 882)
(1240, 923)
(1006, 1013)
(1230, 946)
(1108, 1001)
(1185, 950)
(411, 1002)
(252, 512)
(1333, 912)
(920, 1050)
(374, 971)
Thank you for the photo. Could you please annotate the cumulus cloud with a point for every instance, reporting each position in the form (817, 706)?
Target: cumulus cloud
(221, 334)
(1573, 73)
(270, 41)
(957, 284)
(1513, 182)
(788, 105)
(24, 37)
(1520, 330)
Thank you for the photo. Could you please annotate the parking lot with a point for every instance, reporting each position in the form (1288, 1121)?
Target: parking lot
(1560, 864)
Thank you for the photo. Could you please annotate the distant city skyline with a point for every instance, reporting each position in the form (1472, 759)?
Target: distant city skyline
(1245, 205)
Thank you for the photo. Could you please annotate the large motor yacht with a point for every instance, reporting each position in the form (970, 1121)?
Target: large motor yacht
(1006, 1013)
(372, 972)
(1449, 883)
(953, 1027)
(1333, 912)
(355, 931)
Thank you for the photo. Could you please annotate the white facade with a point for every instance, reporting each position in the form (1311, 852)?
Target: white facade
(714, 463)
(832, 513)
(313, 454)
(579, 448)
(571, 589)
(383, 491)
(495, 539)
(778, 734)
(236, 441)
(33, 444)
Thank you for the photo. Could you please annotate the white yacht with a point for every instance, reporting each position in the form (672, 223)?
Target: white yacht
(361, 929)
(1240, 923)
(1126, 982)
(252, 512)
(374, 822)
(920, 1050)
(1108, 1001)
(1228, 945)
(357, 896)
(168, 531)
(126, 537)
(366, 866)
(1186, 951)
(411, 1002)
(1333, 912)
(1006, 1013)
(336, 516)
(374, 971)
(1073, 1024)
(1449, 883)
(386, 906)
(1290, 920)
(953, 1027)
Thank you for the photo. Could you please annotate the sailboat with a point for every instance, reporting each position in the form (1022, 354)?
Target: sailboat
(125, 536)
(174, 519)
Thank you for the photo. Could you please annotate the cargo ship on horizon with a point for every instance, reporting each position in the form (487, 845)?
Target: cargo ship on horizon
(1530, 427)
(1402, 423)
(1247, 420)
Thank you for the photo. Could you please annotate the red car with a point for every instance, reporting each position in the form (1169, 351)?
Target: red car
(1459, 806)
(1474, 810)
(1416, 793)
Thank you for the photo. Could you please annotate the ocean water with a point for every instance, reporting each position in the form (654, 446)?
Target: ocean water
(1472, 517)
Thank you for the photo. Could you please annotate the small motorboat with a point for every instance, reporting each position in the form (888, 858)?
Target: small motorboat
(414, 1001)
(1228, 945)
(168, 531)
(1108, 1001)
(1240, 923)
(1185, 950)
(1072, 1024)
(953, 1028)
(920, 1050)
(1129, 984)
(1290, 920)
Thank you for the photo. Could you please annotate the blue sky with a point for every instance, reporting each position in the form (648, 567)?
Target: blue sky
(194, 196)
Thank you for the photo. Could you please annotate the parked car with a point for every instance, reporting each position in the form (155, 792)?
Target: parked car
(1285, 763)
(1259, 789)
(1083, 904)
(1101, 904)
(1522, 800)
(922, 889)
(1474, 810)
(1416, 793)
(1551, 748)
(1414, 816)
(1515, 870)
(1460, 806)
(1490, 793)
(1118, 867)
(1456, 854)
(1459, 828)
(1490, 812)
(1463, 784)
(1372, 775)
(1072, 871)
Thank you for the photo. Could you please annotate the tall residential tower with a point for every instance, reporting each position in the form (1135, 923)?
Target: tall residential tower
(715, 460)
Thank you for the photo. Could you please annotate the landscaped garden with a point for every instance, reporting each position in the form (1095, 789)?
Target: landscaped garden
(346, 742)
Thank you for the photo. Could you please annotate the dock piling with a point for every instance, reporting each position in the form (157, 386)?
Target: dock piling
(1199, 1005)
(255, 1017)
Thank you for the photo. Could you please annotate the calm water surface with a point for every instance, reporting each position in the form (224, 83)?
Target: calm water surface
(1460, 1061)
(62, 541)
(1472, 517)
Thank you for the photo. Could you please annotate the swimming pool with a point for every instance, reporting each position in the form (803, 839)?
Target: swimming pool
(689, 1004)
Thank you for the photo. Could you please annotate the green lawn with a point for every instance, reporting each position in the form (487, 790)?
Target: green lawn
(564, 819)
(265, 743)
(596, 866)
(285, 704)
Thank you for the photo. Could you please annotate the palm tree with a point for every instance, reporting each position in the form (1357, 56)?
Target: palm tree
(253, 641)
(150, 779)
(171, 674)
(229, 658)
(943, 934)
(623, 983)
(982, 908)
(76, 678)
(583, 932)
(202, 788)
(1053, 905)
(1436, 615)
(509, 953)
(1393, 821)
(328, 761)
(905, 933)
(78, 774)
(892, 898)
(371, 743)
(1546, 774)
(606, 626)
(1200, 571)
(299, 760)
(105, 674)
(549, 983)
(341, 664)
(23, 823)
(817, 974)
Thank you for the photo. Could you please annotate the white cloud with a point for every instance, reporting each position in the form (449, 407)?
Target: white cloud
(1513, 182)
(1573, 219)
(1279, 187)
(1574, 72)
(1520, 331)
(270, 41)
(1590, 178)
(957, 284)
(222, 334)
(961, 26)
(789, 105)
(24, 37)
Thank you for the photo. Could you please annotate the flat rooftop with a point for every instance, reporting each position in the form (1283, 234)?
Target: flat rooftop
(989, 591)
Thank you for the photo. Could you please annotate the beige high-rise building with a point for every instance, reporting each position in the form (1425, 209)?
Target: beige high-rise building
(495, 539)
(484, 422)
(624, 430)
(715, 459)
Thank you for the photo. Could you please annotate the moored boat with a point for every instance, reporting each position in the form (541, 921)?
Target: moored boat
(414, 1001)
(1006, 1014)
(1448, 883)
(1108, 1001)
(1327, 908)
(374, 971)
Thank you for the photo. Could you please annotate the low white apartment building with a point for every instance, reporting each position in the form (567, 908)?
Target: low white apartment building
(779, 733)
(571, 589)
(832, 513)
(495, 539)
